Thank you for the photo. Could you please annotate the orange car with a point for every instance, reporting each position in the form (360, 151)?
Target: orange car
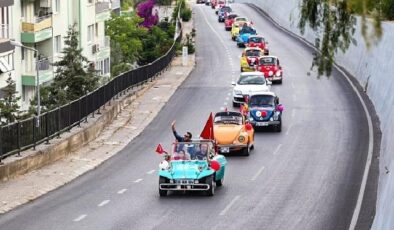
(233, 133)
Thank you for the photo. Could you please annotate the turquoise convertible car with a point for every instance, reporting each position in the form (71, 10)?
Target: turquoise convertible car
(192, 166)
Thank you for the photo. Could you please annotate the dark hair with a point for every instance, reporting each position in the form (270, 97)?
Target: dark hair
(190, 134)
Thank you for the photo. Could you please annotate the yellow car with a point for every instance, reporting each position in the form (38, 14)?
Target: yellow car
(250, 58)
(233, 133)
(238, 23)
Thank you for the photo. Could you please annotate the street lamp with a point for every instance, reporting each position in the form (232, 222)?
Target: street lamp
(18, 44)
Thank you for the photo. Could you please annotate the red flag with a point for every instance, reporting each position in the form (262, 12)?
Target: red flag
(207, 132)
(159, 149)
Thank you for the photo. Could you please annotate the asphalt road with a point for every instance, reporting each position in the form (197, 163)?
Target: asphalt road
(306, 177)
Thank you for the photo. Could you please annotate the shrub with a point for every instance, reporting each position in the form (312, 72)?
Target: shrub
(186, 14)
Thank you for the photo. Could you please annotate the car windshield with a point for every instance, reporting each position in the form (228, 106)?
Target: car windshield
(191, 151)
(253, 53)
(251, 80)
(256, 39)
(229, 119)
(241, 20)
(225, 9)
(232, 16)
(262, 100)
(267, 61)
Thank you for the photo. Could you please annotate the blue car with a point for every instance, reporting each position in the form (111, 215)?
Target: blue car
(265, 111)
(223, 12)
(244, 34)
(193, 166)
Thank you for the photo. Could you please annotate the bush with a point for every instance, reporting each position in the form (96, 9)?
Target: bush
(388, 9)
(186, 14)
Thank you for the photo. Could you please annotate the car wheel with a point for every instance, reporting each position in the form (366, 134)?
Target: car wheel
(251, 147)
(280, 81)
(233, 38)
(235, 104)
(219, 182)
(162, 192)
(278, 128)
(211, 190)
(246, 151)
(242, 69)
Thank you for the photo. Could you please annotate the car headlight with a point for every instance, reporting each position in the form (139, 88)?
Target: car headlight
(237, 92)
(270, 73)
(271, 119)
(278, 73)
(241, 138)
(251, 119)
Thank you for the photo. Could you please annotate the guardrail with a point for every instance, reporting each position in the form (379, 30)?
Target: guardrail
(23, 134)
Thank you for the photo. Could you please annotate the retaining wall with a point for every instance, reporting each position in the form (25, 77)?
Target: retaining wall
(375, 64)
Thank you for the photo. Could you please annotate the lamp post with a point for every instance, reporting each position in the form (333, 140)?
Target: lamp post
(18, 44)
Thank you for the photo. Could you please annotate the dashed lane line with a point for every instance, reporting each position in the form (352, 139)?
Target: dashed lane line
(258, 173)
(151, 171)
(103, 203)
(138, 180)
(223, 212)
(79, 218)
(277, 149)
(122, 191)
(288, 130)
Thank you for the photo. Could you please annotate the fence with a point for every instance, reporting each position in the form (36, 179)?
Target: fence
(24, 134)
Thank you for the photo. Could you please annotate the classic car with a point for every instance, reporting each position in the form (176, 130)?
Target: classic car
(243, 36)
(250, 58)
(270, 66)
(233, 133)
(219, 5)
(213, 3)
(229, 20)
(237, 24)
(265, 111)
(258, 41)
(192, 166)
(223, 12)
(247, 84)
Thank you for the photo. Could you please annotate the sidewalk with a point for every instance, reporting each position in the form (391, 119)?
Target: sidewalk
(128, 124)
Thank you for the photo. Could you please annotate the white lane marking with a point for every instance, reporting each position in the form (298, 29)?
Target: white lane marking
(277, 149)
(104, 202)
(360, 197)
(122, 191)
(293, 113)
(151, 171)
(79, 218)
(225, 103)
(223, 212)
(288, 130)
(221, 108)
(229, 94)
(227, 98)
(258, 173)
(138, 180)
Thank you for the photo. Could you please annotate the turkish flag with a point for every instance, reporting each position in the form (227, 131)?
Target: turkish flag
(159, 149)
(207, 132)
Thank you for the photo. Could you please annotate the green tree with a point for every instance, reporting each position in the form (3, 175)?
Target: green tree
(336, 20)
(9, 104)
(74, 75)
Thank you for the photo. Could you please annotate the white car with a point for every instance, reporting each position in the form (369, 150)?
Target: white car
(249, 83)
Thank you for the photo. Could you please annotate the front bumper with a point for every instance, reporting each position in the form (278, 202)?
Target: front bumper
(184, 187)
(231, 148)
(274, 78)
(264, 123)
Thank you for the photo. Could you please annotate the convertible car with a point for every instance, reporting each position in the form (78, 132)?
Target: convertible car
(270, 66)
(247, 84)
(258, 41)
(250, 59)
(192, 166)
(265, 111)
(229, 20)
(233, 133)
(244, 33)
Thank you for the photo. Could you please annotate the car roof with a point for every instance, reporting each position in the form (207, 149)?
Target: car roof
(270, 56)
(252, 73)
(228, 113)
(269, 93)
(242, 17)
(256, 36)
(253, 48)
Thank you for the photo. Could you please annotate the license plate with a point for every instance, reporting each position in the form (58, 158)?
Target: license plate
(225, 149)
(261, 123)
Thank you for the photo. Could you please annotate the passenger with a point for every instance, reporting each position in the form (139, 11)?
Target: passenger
(203, 153)
(186, 138)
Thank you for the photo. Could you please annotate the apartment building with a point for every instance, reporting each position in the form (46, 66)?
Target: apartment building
(42, 25)
(6, 49)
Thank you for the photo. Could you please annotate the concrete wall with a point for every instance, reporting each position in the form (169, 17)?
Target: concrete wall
(375, 64)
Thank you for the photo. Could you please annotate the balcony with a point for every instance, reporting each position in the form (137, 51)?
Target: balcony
(38, 30)
(103, 11)
(5, 35)
(101, 48)
(45, 71)
(6, 3)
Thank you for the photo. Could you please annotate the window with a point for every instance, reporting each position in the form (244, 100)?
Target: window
(90, 33)
(57, 6)
(96, 29)
(58, 44)
(103, 67)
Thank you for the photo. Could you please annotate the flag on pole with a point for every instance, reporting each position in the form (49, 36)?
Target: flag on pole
(159, 149)
(207, 132)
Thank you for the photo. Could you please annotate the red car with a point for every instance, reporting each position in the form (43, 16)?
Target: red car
(213, 4)
(228, 21)
(270, 66)
(258, 41)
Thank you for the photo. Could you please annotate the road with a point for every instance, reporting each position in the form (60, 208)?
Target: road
(306, 177)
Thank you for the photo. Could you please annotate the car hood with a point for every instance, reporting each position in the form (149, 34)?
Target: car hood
(254, 110)
(244, 37)
(189, 169)
(249, 89)
(226, 133)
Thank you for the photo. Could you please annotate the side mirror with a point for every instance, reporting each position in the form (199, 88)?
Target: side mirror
(233, 83)
(280, 108)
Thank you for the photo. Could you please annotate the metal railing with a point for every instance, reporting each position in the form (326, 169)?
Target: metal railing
(23, 134)
(5, 31)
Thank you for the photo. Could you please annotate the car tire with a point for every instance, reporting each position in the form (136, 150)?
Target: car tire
(161, 191)
(235, 104)
(211, 190)
(242, 69)
(280, 81)
(219, 183)
(278, 128)
(246, 151)
(233, 38)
